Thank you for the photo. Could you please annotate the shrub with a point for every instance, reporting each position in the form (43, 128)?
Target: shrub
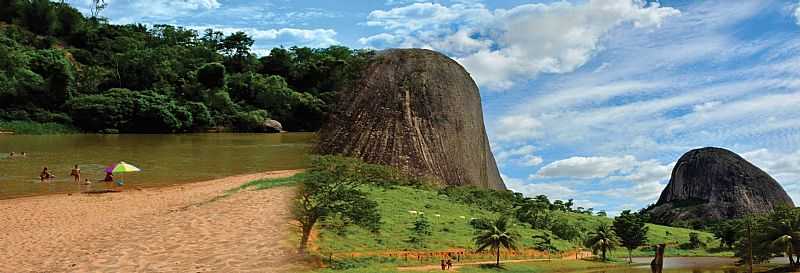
(420, 231)
(566, 230)
(221, 102)
(494, 200)
(252, 121)
(200, 115)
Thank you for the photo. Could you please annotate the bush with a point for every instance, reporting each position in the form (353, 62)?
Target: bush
(221, 102)
(252, 121)
(566, 230)
(200, 115)
(494, 200)
(420, 231)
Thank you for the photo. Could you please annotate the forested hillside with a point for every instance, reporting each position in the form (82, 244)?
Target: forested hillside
(58, 66)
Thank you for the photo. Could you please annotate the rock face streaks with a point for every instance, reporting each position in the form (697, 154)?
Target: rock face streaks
(714, 184)
(417, 110)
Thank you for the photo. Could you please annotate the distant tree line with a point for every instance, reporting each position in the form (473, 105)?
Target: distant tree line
(58, 66)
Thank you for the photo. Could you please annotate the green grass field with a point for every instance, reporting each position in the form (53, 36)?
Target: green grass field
(451, 230)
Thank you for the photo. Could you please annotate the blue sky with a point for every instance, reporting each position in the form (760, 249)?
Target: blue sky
(592, 100)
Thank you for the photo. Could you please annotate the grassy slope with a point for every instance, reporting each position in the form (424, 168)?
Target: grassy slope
(452, 231)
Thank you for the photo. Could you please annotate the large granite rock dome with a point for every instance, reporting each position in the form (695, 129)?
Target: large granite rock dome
(417, 110)
(714, 184)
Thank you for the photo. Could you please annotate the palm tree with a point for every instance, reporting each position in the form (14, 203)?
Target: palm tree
(602, 239)
(784, 233)
(495, 236)
(785, 242)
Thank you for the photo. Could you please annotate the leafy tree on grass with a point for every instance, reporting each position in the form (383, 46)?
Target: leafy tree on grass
(694, 240)
(496, 236)
(632, 231)
(544, 242)
(602, 240)
(420, 231)
(331, 187)
(727, 232)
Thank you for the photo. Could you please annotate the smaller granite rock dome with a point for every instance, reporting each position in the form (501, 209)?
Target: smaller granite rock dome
(717, 184)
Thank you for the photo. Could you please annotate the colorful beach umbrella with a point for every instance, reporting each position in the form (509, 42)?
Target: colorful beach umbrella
(123, 167)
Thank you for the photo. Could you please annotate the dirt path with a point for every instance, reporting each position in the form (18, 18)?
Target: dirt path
(457, 266)
(423, 268)
(172, 229)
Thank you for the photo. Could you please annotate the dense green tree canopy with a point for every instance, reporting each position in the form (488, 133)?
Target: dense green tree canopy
(632, 231)
(58, 66)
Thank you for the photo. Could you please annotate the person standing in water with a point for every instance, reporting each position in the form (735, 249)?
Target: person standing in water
(76, 173)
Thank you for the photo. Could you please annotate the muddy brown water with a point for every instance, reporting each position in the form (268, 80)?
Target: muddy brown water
(685, 265)
(164, 159)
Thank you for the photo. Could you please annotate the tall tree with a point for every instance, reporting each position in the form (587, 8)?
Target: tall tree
(39, 16)
(331, 187)
(237, 44)
(9, 10)
(727, 232)
(497, 236)
(632, 231)
(97, 7)
(602, 240)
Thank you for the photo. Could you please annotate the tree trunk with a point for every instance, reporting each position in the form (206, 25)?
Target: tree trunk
(603, 251)
(498, 257)
(630, 256)
(307, 227)
(304, 238)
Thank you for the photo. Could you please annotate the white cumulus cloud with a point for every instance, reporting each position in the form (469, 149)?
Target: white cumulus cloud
(797, 14)
(552, 190)
(502, 46)
(587, 167)
(522, 155)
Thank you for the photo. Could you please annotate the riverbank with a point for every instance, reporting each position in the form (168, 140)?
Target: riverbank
(35, 128)
(169, 229)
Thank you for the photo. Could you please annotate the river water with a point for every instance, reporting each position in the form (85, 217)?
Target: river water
(684, 265)
(164, 159)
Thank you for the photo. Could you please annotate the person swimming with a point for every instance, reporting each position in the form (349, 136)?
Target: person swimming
(46, 175)
(76, 173)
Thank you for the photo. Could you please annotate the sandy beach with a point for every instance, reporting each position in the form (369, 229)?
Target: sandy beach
(170, 229)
